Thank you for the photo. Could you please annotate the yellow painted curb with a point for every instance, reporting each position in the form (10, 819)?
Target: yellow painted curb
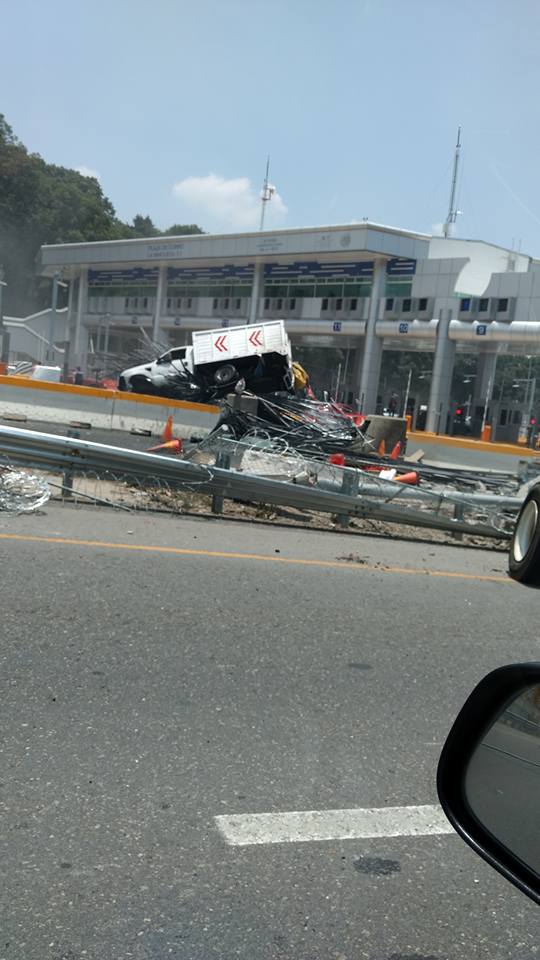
(28, 383)
(483, 446)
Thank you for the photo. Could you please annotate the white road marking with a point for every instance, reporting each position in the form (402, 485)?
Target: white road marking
(302, 826)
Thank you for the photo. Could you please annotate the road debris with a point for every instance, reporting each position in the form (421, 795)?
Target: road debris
(270, 471)
(21, 492)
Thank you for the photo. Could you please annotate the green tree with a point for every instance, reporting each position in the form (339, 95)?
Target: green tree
(144, 227)
(182, 230)
(41, 203)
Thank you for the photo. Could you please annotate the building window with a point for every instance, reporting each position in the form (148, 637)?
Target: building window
(502, 418)
(169, 303)
(406, 305)
(279, 303)
(188, 303)
(354, 303)
(389, 303)
(226, 303)
(237, 303)
(215, 303)
(145, 302)
(126, 303)
(502, 305)
(483, 305)
(324, 304)
(267, 303)
(292, 303)
(517, 417)
(465, 304)
(339, 303)
(422, 304)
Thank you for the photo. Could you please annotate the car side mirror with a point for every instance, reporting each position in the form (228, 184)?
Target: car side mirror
(488, 777)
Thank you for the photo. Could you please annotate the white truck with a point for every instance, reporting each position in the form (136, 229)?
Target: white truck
(257, 354)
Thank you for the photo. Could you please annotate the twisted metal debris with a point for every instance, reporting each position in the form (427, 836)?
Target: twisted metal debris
(21, 492)
(341, 492)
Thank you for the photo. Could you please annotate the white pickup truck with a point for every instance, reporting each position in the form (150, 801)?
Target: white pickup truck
(258, 354)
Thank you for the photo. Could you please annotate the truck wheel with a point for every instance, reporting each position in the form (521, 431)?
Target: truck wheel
(142, 385)
(225, 374)
(524, 558)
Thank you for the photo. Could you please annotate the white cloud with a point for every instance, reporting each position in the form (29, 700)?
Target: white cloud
(220, 204)
(87, 172)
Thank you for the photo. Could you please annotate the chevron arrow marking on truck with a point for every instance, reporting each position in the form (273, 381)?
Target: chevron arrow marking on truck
(255, 338)
(220, 343)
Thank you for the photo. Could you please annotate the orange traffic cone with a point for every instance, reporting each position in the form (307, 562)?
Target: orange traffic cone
(411, 478)
(396, 451)
(381, 449)
(168, 431)
(175, 446)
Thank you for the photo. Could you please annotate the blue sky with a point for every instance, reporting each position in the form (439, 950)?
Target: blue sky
(176, 104)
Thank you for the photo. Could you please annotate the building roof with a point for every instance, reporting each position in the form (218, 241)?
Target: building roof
(364, 241)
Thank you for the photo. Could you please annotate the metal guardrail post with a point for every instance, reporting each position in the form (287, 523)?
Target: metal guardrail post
(459, 513)
(223, 460)
(67, 478)
(349, 486)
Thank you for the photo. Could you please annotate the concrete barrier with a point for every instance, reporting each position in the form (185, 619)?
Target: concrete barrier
(106, 409)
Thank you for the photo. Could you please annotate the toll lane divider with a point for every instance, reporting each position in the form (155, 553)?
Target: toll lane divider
(107, 409)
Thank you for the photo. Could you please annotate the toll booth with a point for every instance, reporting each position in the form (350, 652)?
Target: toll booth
(509, 421)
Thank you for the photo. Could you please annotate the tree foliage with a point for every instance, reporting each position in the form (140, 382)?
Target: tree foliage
(41, 203)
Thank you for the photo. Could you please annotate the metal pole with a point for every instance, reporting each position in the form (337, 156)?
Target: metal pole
(106, 347)
(452, 212)
(407, 393)
(487, 403)
(52, 317)
(346, 369)
(4, 356)
(266, 194)
(338, 378)
(532, 391)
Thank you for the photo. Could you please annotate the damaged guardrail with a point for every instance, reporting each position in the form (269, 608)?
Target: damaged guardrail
(359, 496)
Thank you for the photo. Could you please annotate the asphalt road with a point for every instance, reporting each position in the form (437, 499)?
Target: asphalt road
(240, 669)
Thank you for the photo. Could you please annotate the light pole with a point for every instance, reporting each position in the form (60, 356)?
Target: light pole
(404, 414)
(107, 319)
(57, 282)
(4, 356)
(468, 379)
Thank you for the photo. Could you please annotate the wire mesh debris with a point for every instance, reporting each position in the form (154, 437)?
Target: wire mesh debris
(22, 492)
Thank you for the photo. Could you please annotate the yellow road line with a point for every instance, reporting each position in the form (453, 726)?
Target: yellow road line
(229, 555)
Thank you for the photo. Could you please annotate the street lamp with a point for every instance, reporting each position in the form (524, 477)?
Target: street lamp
(57, 282)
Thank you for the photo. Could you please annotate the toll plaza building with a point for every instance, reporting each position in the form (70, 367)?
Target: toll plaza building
(344, 292)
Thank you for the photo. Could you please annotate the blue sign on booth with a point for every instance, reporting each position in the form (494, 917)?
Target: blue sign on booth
(481, 329)
(404, 328)
(224, 323)
(336, 326)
